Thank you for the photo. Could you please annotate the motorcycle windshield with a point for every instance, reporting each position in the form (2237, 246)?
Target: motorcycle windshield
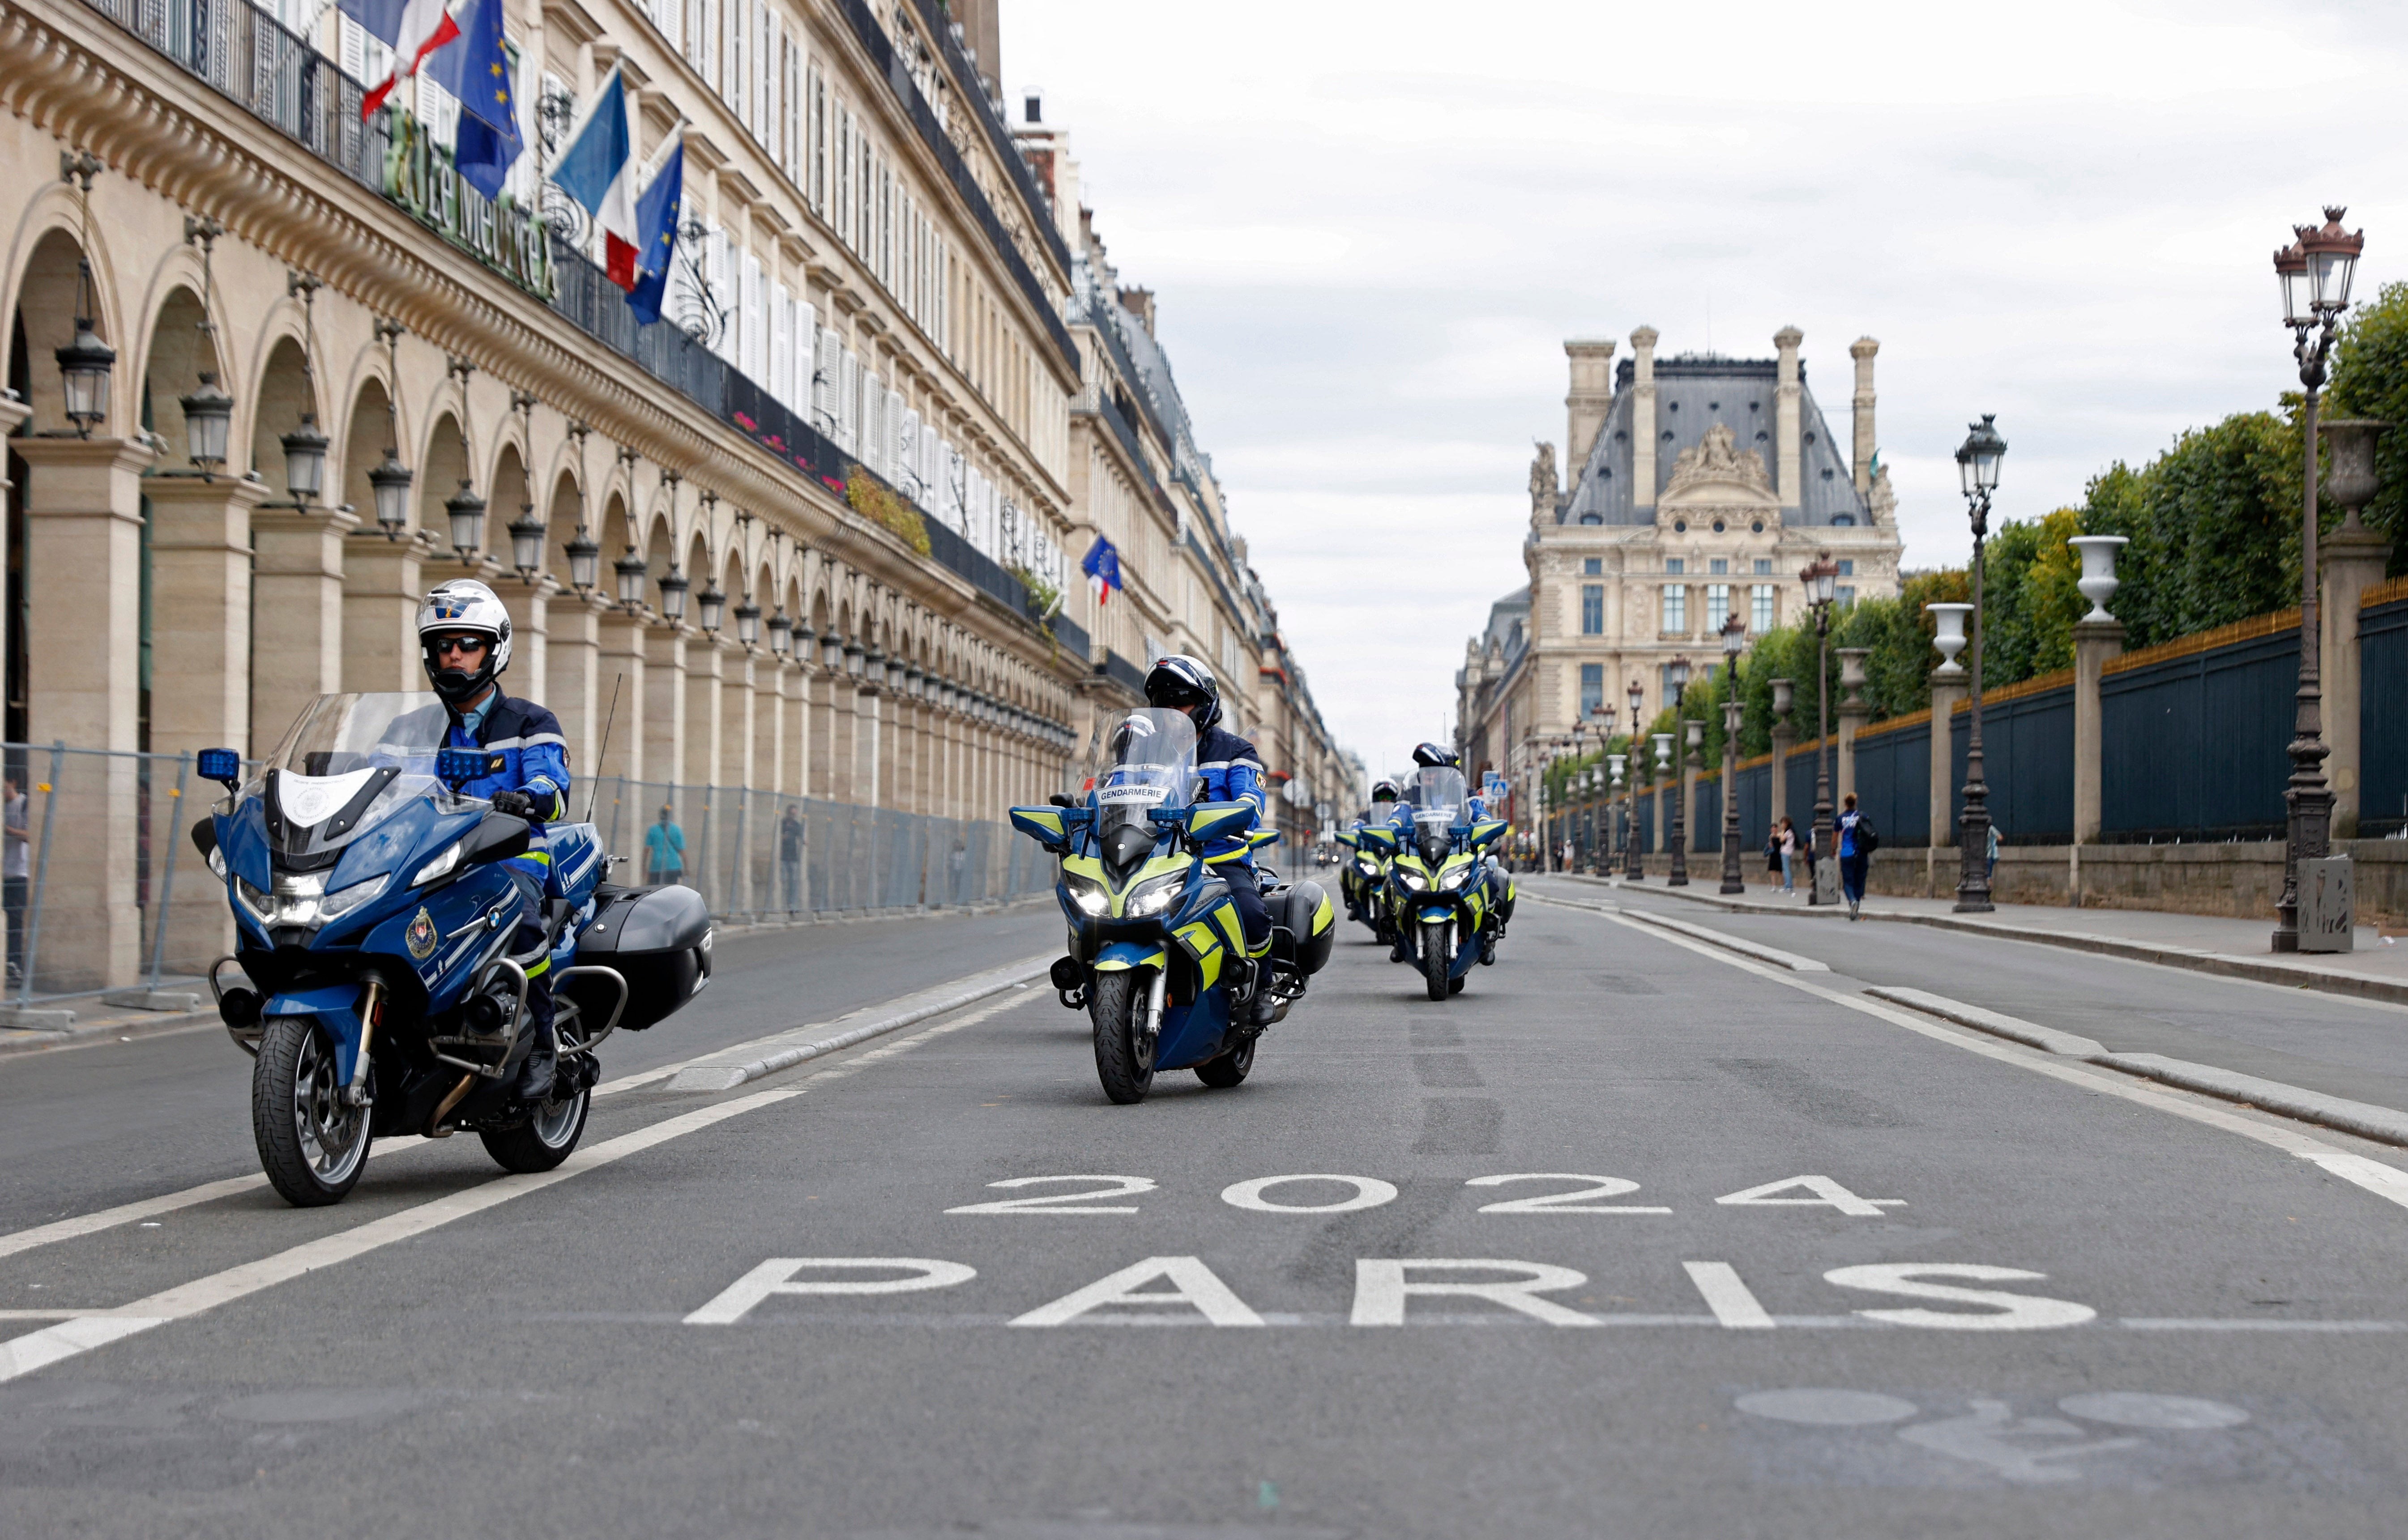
(337, 752)
(1439, 798)
(1149, 762)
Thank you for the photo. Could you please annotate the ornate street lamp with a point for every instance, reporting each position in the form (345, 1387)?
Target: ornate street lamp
(466, 512)
(1620, 836)
(1697, 737)
(526, 544)
(781, 634)
(1676, 674)
(1819, 576)
(85, 361)
(209, 416)
(831, 651)
(631, 569)
(305, 461)
(389, 481)
(585, 562)
(673, 591)
(2315, 273)
(747, 622)
(712, 605)
(1635, 868)
(1734, 643)
(1977, 465)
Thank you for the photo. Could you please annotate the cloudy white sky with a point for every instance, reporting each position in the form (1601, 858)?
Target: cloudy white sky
(1372, 227)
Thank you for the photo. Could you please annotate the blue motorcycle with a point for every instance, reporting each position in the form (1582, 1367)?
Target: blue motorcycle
(373, 924)
(1157, 955)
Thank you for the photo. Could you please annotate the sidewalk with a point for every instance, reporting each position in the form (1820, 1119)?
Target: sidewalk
(2237, 949)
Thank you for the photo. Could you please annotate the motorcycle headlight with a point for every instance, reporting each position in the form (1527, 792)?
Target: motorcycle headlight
(1413, 881)
(1366, 867)
(217, 863)
(1156, 896)
(1087, 895)
(344, 900)
(440, 866)
(252, 899)
(1454, 878)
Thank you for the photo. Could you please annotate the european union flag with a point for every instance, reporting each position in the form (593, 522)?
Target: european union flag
(656, 227)
(477, 70)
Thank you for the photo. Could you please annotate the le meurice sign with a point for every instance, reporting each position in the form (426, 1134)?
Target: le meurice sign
(419, 175)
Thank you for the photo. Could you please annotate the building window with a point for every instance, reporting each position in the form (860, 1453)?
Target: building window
(1759, 598)
(1718, 566)
(1673, 565)
(1676, 608)
(1593, 566)
(1592, 689)
(1847, 569)
(1592, 609)
(1846, 594)
(1717, 605)
(1843, 521)
(1764, 566)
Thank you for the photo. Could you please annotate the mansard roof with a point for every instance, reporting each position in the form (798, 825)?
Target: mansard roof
(1692, 394)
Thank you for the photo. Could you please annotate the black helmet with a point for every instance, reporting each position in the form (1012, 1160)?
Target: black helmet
(1429, 756)
(1180, 681)
(1386, 791)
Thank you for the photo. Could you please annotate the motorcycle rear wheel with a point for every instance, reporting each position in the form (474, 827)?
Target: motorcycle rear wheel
(1114, 1004)
(544, 1140)
(311, 1144)
(1230, 1068)
(1435, 961)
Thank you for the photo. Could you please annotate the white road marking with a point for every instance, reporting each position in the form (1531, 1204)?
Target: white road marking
(1369, 1192)
(1191, 1282)
(1382, 1286)
(777, 1276)
(37, 1350)
(1826, 1194)
(2010, 1312)
(2385, 1181)
(108, 1219)
(1062, 1203)
(1564, 1203)
(1732, 1302)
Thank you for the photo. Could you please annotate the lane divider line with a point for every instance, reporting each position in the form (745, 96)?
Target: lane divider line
(969, 988)
(1762, 953)
(2385, 1181)
(23, 1355)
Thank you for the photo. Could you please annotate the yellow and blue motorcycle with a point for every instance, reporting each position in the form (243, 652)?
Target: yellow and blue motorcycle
(1363, 882)
(1157, 955)
(1447, 904)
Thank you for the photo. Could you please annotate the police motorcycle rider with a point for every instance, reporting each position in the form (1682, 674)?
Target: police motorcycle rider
(1363, 893)
(1231, 771)
(1433, 756)
(464, 638)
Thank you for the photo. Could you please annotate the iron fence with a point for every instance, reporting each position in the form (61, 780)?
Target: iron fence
(2382, 718)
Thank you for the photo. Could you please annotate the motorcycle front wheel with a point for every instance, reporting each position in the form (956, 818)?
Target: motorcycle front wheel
(1123, 1063)
(1435, 961)
(311, 1144)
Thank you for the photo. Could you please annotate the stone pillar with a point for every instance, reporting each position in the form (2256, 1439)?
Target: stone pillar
(1861, 460)
(843, 715)
(1667, 780)
(83, 562)
(664, 710)
(1784, 738)
(1691, 763)
(739, 815)
(577, 688)
(200, 612)
(296, 623)
(385, 581)
(1948, 687)
(620, 812)
(530, 606)
(1853, 713)
(868, 765)
(1786, 395)
(1588, 400)
(2094, 643)
(1642, 418)
(2353, 558)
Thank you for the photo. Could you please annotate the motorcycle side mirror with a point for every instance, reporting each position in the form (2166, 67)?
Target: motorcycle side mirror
(222, 765)
(1212, 820)
(498, 838)
(1051, 827)
(1345, 838)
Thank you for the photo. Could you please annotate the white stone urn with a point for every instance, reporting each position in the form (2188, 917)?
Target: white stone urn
(1951, 640)
(2099, 581)
(1663, 742)
(1852, 672)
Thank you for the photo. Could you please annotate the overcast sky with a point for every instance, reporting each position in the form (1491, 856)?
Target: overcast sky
(1372, 227)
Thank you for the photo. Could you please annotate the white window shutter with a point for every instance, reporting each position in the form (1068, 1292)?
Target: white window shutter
(781, 344)
(907, 460)
(823, 367)
(751, 358)
(890, 444)
(353, 47)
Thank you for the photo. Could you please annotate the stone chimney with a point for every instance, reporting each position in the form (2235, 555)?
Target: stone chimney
(1642, 418)
(1862, 351)
(1140, 303)
(1590, 397)
(1787, 404)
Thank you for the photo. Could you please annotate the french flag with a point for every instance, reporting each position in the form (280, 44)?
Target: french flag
(412, 28)
(1102, 565)
(598, 170)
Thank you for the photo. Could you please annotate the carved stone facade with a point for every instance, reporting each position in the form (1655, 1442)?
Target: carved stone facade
(1702, 486)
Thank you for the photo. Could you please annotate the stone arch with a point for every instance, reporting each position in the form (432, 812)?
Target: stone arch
(562, 516)
(283, 397)
(509, 494)
(368, 434)
(443, 474)
(178, 355)
(43, 318)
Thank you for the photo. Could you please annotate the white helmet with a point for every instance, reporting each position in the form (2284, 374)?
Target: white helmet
(463, 605)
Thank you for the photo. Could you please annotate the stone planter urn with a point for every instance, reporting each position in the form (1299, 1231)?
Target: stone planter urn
(2352, 482)
(1852, 674)
(2099, 581)
(1950, 619)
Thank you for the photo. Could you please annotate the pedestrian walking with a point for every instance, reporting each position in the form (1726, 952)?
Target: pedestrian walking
(1992, 856)
(790, 858)
(1859, 839)
(663, 850)
(16, 870)
(1785, 856)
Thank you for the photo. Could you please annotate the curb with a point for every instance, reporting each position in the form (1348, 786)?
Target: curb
(15, 1041)
(790, 1049)
(1774, 955)
(2265, 972)
(2385, 1125)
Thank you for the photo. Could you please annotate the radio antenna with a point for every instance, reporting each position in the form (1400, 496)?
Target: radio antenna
(601, 757)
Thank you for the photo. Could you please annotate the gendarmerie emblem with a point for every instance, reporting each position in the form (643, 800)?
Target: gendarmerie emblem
(420, 938)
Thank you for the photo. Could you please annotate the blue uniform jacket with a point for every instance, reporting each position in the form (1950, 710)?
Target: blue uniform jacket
(526, 752)
(1231, 771)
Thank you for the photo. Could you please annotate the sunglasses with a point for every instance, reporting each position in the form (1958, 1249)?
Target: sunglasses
(472, 645)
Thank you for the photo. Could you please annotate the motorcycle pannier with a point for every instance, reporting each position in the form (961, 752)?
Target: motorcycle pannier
(1309, 917)
(657, 938)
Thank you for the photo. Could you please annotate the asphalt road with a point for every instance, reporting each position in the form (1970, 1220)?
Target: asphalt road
(1588, 1250)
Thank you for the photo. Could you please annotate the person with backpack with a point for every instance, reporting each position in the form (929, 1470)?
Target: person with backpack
(1858, 840)
(1785, 857)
